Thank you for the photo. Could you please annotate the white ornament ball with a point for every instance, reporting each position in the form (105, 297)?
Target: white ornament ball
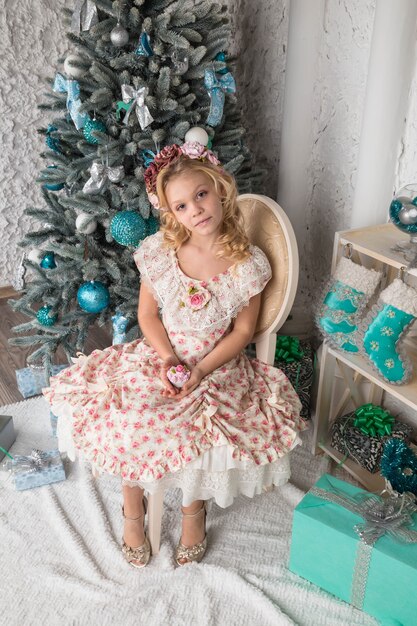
(36, 255)
(71, 69)
(84, 224)
(197, 134)
(119, 36)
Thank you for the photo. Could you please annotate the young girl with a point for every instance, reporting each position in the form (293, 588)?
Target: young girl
(229, 428)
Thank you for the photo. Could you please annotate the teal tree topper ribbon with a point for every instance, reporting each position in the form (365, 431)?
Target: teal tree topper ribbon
(373, 420)
(392, 516)
(217, 88)
(72, 89)
(288, 349)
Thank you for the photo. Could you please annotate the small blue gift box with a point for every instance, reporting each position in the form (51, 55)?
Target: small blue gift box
(367, 559)
(31, 380)
(7, 434)
(54, 421)
(37, 469)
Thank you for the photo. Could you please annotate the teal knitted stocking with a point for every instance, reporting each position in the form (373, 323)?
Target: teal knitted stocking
(383, 331)
(345, 298)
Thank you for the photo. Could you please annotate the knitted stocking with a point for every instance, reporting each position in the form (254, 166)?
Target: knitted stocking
(349, 291)
(385, 328)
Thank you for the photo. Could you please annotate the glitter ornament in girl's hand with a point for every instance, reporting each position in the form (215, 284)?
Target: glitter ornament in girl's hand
(178, 375)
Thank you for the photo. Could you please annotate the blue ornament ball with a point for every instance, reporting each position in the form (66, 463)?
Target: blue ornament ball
(52, 142)
(221, 56)
(44, 317)
(53, 186)
(93, 125)
(93, 296)
(48, 261)
(128, 228)
(152, 225)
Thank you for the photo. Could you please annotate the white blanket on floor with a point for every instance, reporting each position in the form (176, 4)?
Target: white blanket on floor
(61, 561)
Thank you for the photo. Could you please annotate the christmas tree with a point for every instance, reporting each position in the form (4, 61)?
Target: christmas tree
(140, 74)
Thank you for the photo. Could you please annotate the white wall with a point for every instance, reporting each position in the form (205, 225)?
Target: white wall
(33, 39)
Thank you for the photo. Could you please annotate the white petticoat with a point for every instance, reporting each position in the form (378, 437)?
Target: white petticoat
(213, 475)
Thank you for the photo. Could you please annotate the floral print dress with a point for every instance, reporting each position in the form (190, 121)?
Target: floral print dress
(231, 435)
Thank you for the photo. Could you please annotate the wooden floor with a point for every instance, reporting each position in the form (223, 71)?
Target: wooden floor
(14, 357)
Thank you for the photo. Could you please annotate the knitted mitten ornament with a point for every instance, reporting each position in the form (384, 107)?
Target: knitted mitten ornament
(384, 329)
(349, 291)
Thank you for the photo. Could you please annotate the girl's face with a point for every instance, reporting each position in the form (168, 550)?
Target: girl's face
(193, 199)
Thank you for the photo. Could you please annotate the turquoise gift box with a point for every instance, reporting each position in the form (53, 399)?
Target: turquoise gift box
(323, 550)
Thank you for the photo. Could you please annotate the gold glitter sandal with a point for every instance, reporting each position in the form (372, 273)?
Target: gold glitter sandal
(196, 552)
(137, 557)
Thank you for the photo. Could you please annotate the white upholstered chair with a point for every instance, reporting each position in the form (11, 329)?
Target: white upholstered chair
(269, 228)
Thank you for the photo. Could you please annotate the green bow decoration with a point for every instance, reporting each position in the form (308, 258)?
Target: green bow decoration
(373, 420)
(288, 349)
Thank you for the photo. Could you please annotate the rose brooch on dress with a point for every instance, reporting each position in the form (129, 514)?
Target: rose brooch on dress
(178, 375)
(197, 297)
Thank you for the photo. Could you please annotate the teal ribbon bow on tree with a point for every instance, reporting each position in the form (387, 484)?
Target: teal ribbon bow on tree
(373, 420)
(217, 88)
(148, 157)
(72, 89)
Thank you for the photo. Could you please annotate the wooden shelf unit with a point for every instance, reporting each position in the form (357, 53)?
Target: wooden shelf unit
(371, 247)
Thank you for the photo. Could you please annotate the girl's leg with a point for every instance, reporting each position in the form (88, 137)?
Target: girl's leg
(133, 535)
(193, 528)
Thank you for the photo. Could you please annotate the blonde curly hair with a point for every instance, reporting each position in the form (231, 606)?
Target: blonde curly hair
(233, 242)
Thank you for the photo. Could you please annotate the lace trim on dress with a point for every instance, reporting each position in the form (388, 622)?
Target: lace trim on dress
(231, 290)
(222, 486)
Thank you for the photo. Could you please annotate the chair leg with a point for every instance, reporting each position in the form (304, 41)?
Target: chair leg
(155, 507)
(265, 348)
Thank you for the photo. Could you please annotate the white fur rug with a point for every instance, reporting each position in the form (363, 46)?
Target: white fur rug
(61, 562)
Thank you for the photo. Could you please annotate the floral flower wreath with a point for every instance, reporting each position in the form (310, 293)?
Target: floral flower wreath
(169, 154)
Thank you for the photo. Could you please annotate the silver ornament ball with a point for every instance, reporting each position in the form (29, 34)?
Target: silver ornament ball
(408, 214)
(119, 36)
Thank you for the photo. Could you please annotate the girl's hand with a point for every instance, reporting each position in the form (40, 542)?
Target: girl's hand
(191, 384)
(169, 390)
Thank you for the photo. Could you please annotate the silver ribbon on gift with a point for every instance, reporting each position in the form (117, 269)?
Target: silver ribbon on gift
(136, 99)
(391, 516)
(100, 176)
(35, 462)
(85, 16)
